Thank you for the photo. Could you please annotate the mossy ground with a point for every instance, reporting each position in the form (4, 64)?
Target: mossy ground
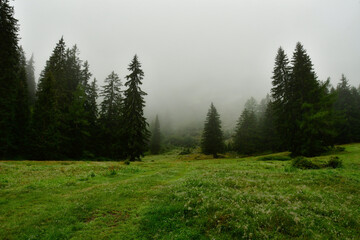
(172, 197)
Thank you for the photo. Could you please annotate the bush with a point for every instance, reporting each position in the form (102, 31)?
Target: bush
(127, 162)
(304, 163)
(339, 149)
(334, 162)
(185, 151)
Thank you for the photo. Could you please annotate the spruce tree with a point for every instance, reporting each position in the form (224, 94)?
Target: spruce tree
(90, 104)
(212, 141)
(111, 98)
(78, 123)
(45, 124)
(12, 84)
(68, 73)
(22, 111)
(270, 140)
(347, 112)
(302, 104)
(281, 95)
(30, 78)
(155, 142)
(246, 135)
(110, 118)
(92, 146)
(135, 125)
(310, 120)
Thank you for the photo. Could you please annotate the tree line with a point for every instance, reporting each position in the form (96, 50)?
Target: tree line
(61, 118)
(302, 115)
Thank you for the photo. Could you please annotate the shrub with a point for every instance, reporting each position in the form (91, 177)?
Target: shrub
(127, 162)
(304, 163)
(340, 149)
(185, 151)
(334, 162)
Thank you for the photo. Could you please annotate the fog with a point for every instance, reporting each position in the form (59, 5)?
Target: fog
(196, 52)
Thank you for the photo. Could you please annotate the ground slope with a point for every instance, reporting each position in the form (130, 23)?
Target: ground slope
(167, 197)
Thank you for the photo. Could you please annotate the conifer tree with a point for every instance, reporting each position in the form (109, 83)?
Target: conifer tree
(30, 78)
(90, 104)
(246, 135)
(22, 111)
(45, 125)
(112, 97)
(91, 108)
(155, 142)
(302, 104)
(110, 118)
(310, 108)
(281, 94)
(11, 82)
(212, 141)
(67, 71)
(270, 140)
(135, 125)
(347, 112)
(78, 123)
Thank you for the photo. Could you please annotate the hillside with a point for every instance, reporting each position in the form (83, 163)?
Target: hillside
(167, 197)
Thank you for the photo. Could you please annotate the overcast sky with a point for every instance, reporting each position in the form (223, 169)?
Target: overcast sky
(196, 52)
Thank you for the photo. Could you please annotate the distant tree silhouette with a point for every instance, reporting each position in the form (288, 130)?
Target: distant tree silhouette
(30, 78)
(155, 142)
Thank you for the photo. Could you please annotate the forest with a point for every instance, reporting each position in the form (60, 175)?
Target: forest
(66, 115)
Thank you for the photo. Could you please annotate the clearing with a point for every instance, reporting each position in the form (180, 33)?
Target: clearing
(173, 197)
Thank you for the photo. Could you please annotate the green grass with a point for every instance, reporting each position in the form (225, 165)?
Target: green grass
(172, 197)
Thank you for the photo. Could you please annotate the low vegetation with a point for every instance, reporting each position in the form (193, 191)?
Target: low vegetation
(169, 197)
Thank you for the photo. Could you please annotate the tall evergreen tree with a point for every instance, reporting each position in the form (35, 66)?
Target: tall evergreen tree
(30, 78)
(68, 73)
(78, 123)
(155, 142)
(92, 146)
(11, 83)
(135, 124)
(347, 112)
(90, 104)
(310, 108)
(270, 140)
(45, 124)
(110, 118)
(212, 141)
(302, 105)
(111, 103)
(22, 111)
(246, 135)
(281, 95)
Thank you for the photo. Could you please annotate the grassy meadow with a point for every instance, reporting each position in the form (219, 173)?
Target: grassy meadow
(181, 197)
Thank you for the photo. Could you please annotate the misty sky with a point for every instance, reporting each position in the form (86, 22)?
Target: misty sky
(196, 52)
